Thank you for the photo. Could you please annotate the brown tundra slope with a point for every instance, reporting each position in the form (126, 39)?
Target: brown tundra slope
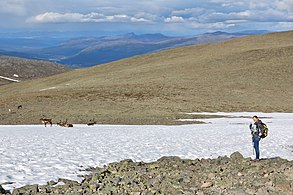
(27, 69)
(252, 73)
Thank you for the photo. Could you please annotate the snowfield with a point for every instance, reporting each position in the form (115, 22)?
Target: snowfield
(35, 154)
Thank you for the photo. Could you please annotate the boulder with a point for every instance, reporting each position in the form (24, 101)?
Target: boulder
(26, 190)
(2, 190)
(69, 182)
(236, 156)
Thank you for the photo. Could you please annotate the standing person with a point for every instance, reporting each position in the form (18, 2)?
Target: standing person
(256, 129)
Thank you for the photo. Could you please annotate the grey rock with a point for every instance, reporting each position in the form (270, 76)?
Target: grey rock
(185, 180)
(51, 183)
(236, 156)
(26, 190)
(69, 182)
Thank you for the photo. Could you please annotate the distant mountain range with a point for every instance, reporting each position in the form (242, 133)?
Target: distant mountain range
(85, 52)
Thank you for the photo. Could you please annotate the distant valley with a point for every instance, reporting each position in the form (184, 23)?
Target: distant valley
(87, 51)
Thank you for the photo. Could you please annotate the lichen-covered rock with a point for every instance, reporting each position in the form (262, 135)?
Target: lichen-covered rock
(26, 190)
(236, 156)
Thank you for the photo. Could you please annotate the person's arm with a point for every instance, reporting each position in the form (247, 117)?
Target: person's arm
(251, 130)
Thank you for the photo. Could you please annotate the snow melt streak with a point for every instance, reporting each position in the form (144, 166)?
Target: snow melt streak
(35, 154)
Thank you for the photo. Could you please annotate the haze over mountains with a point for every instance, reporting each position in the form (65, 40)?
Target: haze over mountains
(88, 51)
(251, 73)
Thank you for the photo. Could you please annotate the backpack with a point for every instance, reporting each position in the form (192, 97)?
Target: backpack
(265, 131)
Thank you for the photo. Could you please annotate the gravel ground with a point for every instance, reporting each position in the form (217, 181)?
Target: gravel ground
(172, 175)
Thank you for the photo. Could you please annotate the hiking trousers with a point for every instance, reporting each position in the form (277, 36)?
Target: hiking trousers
(256, 140)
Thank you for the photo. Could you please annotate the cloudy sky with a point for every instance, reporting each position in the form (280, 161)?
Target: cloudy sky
(146, 16)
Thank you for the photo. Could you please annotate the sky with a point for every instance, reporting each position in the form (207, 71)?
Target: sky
(177, 17)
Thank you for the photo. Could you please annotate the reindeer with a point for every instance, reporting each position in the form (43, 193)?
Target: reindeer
(19, 107)
(64, 124)
(68, 124)
(46, 121)
(60, 123)
(92, 123)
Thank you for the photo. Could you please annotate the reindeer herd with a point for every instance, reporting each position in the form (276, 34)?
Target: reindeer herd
(61, 123)
(48, 121)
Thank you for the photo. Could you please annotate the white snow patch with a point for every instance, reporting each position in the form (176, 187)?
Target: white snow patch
(60, 184)
(48, 88)
(16, 75)
(35, 154)
(9, 79)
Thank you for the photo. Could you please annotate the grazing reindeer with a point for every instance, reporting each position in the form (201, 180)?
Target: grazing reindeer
(92, 123)
(60, 123)
(64, 124)
(68, 124)
(46, 121)
(19, 107)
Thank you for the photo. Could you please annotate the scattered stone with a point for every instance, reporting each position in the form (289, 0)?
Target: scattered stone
(211, 175)
(263, 191)
(207, 185)
(51, 183)
(239, 174)
(68, 182)
(173, 175)
(185, 180)
(135, 193)
(200, 193)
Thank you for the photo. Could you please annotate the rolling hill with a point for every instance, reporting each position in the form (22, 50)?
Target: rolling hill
(19, 69)
(251, 73)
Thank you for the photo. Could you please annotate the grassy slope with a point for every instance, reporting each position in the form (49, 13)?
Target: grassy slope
(245, 74)
(27, 69)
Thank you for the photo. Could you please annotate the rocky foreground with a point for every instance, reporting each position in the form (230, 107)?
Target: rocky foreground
(172, 175)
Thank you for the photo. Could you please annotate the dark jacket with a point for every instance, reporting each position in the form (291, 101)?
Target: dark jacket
(259, 128)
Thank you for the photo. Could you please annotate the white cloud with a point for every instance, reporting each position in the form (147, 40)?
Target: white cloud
(14, 7)
(217, 25)
(53, 17)
(218, 16)
(286, 5)
(174, 19)
(235, 21)
(201, 13)
(188, 12)
(285, 24)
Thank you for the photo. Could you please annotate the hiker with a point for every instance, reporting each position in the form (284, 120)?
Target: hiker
(257, 130)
